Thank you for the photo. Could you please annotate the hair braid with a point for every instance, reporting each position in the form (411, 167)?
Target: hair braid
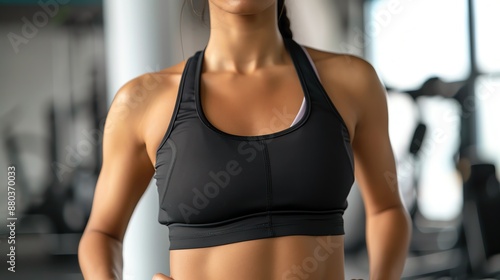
(283, 21)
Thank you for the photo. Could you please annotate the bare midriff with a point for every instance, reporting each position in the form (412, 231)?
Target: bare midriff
(285, 258)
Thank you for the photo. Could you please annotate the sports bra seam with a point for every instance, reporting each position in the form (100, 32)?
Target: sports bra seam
(330, 212)
(253, 227)
(269, 187)
(348, 148)
(178, 101)
(222, 232)
(169, 172)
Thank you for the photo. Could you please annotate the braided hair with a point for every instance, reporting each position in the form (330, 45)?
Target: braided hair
(283, 21)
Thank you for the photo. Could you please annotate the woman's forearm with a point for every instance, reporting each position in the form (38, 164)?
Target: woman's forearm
(100, 256)
(388, 236)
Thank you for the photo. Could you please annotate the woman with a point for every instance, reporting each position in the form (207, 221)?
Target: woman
(257, 140)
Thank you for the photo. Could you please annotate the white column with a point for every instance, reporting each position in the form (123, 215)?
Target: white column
(316, 23)
(143, 36)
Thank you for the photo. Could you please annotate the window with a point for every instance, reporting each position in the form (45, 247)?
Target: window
(487, 35)
(488, 115)
(410, 41)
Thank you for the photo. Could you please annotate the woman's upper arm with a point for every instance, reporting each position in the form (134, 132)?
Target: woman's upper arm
(126, 168)
(375, 167)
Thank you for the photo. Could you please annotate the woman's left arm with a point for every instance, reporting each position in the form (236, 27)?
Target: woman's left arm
(388, 224)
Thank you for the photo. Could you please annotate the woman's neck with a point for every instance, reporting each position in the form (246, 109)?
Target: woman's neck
(243, 43)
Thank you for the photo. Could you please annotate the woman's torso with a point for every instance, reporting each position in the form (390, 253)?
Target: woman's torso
(248, 113)
(287, 258)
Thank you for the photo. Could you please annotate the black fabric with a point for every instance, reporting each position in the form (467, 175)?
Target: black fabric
(216, 188)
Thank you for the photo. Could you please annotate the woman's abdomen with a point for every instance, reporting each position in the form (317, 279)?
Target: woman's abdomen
(283, 258)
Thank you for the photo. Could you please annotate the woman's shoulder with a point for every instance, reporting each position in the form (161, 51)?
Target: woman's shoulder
(152, 82)
(350, 72)
(141, 90)
(136, 102)
(342, 62)
(351, 82)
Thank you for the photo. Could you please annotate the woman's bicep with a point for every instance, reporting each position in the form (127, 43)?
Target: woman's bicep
(375, 167)
(375, 171)
(126, 169)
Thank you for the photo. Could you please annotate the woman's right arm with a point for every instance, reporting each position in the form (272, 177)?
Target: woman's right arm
(125, 174)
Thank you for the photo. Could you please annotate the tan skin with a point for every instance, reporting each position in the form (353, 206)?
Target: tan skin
(245, 53)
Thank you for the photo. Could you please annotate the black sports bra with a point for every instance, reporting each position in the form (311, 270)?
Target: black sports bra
(217, 188)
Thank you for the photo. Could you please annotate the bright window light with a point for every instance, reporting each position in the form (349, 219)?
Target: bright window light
(488, 35)
(410, 41)
(488, 114)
